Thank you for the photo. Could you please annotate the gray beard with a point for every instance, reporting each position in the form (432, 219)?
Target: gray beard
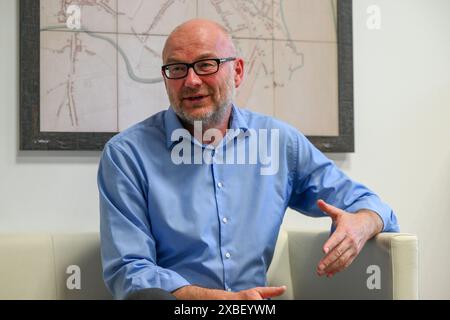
(208, 120)
(212, 118)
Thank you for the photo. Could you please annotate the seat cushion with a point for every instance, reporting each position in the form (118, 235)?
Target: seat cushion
(27, 267)
(78, 255)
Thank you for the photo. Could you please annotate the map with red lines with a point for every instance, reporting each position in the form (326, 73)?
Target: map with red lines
(101, 60)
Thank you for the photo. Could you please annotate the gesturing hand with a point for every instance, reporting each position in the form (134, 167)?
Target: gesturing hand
(259, 293)
(352, 232)
(198, 293)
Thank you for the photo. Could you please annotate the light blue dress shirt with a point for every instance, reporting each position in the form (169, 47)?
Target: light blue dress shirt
(214, 224)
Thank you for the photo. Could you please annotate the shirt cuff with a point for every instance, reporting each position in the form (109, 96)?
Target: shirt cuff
(165, 279)
(386, 214)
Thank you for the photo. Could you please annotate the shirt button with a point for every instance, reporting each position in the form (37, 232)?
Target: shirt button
(228, 255)
(225, 220)
(220, 185)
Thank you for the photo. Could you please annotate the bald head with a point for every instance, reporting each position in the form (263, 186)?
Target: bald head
(205, 97)
(199, 34)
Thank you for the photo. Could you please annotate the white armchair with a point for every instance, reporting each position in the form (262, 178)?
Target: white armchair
(386, 268)
(39, 267)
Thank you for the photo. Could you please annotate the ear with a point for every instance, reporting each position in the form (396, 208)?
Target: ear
(238, 71)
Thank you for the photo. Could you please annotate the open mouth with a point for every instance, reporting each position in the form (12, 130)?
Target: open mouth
(196, 98)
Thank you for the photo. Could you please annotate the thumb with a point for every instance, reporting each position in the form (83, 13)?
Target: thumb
(269, 292)
(332, 211)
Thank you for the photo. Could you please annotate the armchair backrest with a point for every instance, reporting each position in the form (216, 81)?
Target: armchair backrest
(51, 267)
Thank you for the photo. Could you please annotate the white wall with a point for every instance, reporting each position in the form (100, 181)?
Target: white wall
(402, 123)
(39, 191)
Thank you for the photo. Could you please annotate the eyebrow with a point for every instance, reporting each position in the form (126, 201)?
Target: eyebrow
(200, 57)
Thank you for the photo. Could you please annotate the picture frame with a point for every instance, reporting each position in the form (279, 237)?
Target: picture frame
(32, 138)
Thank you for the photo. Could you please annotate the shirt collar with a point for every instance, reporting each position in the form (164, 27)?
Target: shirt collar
(237, 119)
(172, 123)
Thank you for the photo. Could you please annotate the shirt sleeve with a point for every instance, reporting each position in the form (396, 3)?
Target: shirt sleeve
(128, 246)
(316, 177)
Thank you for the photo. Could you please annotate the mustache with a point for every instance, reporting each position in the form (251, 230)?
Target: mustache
(192, 92)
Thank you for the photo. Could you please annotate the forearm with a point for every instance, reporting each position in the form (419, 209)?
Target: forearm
(198, 293)
(374, 222)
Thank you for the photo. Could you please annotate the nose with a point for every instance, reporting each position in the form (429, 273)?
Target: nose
(192, 80)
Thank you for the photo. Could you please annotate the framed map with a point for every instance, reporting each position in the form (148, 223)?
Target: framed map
(91, 68)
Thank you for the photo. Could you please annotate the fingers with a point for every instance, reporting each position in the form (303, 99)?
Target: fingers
(260, 293)
(341, 264)
(333, 254)
(330, 210)
(345, 243)
(336, 238)
(270, 292)
(337, 259)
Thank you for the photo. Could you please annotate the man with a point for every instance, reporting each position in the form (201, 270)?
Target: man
(208, 230)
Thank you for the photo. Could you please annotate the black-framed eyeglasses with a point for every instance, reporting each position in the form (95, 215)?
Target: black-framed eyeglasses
(202, 67)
